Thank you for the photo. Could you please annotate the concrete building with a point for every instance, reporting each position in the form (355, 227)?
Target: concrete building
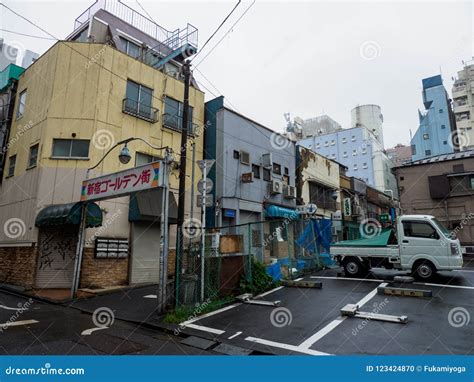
(71, 105)
(320, 125)
(434, 134)
(358, 150)
(369, 117)
(8, 54)
(463, 105)
(28, 58)
(399, 155)
(442, 186)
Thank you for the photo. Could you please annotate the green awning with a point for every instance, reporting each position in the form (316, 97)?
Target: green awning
(384, 238)
(70, 213)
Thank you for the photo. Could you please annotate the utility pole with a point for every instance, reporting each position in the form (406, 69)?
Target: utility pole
(182, 179)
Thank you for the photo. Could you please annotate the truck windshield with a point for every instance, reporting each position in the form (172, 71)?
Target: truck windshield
(443, 229)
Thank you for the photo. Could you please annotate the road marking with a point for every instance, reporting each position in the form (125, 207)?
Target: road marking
(205, 329)
(235, 335)
(301, 278)
(346, 278)
(150, 296)
(270, 291)
(463, 270)
(88, 332)
(8, 308)
(446, 285)
(186, 323)
(306, 344)
(17, 323)
(284, 346)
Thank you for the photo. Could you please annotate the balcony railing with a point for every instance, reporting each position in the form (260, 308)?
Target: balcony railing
(140, 110)
(176, 123)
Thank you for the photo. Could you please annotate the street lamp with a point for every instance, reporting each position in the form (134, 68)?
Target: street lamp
(124, 155)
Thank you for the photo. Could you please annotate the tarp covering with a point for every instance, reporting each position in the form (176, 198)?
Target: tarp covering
(317, 232)
(70, 213)
(384, 238)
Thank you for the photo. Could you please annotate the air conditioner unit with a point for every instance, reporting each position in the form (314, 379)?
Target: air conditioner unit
(267, 161)
(275, 187)
(247, 177)
(289, 192)
(244, 157)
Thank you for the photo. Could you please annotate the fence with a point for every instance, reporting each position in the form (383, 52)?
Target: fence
(234, 256)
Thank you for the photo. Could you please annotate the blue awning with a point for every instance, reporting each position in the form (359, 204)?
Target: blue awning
(281, 212)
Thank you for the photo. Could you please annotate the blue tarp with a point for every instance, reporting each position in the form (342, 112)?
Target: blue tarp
(316, 232)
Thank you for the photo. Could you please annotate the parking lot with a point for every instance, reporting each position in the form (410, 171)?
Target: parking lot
(308, 320)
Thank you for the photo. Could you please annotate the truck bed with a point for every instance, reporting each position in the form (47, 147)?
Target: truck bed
(382, 251)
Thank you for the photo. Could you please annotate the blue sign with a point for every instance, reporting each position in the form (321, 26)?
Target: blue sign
(228, 213)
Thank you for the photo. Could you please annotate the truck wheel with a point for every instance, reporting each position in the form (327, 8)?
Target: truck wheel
(424, 270)
(354, 268)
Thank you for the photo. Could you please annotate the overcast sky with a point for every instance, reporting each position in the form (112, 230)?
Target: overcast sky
(306, 58)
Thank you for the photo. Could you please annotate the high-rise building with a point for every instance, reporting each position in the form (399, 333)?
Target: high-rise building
(369, 117)
(320, 125)
(434, 135)
(8, 54)
(463, 103)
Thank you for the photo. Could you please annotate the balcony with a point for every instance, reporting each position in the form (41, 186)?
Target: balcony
(139, 110)
(461, 107)
(175, 122)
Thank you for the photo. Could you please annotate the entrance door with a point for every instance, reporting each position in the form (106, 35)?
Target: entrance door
(146, 253)
(57, 252)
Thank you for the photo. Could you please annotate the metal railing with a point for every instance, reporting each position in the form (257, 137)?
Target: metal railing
(173, 39)
(140, 110)
(175, 122)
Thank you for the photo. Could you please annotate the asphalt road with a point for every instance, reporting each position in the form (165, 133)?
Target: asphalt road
(45, 329)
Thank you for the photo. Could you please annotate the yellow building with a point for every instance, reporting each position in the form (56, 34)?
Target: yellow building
(72, 105)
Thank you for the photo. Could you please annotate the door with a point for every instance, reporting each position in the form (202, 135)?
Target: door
(145, 259)
(420, 238)
(57, 253)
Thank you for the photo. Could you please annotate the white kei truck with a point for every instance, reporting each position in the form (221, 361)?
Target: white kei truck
(419, 244)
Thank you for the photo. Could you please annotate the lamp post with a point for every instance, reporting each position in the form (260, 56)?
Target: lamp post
(124, 158)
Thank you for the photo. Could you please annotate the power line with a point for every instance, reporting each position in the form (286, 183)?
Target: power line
(219, 27)
(228, 31)
(144, 10)
(27, 35)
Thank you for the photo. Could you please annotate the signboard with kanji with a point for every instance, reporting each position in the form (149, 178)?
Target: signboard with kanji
(123, 182)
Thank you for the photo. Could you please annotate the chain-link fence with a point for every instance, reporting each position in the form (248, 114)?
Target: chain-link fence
(285, 249)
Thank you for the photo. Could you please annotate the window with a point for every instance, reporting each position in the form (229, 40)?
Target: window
(33, 157)
(318, 145)
(236, 154)
(344, 140)
(402, 178)
(364, 151)
(173, 117)
(321, 196)
(427, 152)
(277, 168)
(11, 165)
(326, 144)
(354, 167)
(419, 229)
(440, 111)
(70, 148)
(413, 150)
(267, 175)
(445, 142)
(354, 152)
(21, 104)
(130, 48)
(256, 171)
(138, 101)
(141, 159)
(353, 138)
(286, 179)
(364, 165)
(287, 171)
(344, 154)
(333, 142)
(443, 126)
(426, 136)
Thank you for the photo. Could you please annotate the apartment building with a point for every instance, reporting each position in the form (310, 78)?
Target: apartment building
(463, 106)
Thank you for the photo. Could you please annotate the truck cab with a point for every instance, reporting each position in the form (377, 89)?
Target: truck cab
(418, 243)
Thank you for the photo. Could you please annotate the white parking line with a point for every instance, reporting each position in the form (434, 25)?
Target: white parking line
(8, 308)
(345, 278)
(17, 323)
(186, 323)
(446, 286)
(205, 329)
(463, 270)
(269, 291)
(306, 344)
(150, 296)
(235, 335)
(285, 346)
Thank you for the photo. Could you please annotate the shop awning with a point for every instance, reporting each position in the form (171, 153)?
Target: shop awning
(273, 211)
(146, 206)
(70, 213)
